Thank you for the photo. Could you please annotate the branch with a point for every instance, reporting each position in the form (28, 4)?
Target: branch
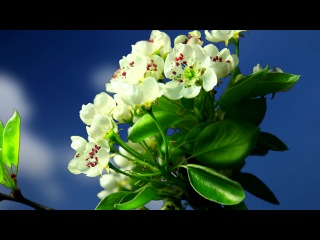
(16, 196)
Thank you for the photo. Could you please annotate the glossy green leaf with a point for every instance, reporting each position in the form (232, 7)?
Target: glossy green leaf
(137, 199)
(146, 127)
(187, 103)
(11, 141)
(241, 89)
(1, 142)
(225, 144)
(164, 104)
(194, 132)
(256, 187)
(1, 133)
(108, 203)
(270, 142)
(214, 186)
(240, 206)
(274, 82)
(250, 110)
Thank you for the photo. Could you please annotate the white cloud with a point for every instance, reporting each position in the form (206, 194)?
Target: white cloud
(12, 96)
(101, 75)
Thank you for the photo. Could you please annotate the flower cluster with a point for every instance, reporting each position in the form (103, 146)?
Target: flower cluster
(163, 94)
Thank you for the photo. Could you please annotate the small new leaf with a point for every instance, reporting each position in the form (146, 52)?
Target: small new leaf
(11, 142)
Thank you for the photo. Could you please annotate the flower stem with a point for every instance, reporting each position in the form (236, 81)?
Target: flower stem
(138, 156)
(166, 159)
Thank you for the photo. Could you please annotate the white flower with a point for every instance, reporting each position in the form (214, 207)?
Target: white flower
(100, 126)
(222, 62)
(142, 94)
(123, 112)
(132, 69)
(91, 157)
(222, 35)
(103, 104)
(271, 70)
(193, 38)
(154, 68)
(113, 182)
(159, 43)
(190, 69)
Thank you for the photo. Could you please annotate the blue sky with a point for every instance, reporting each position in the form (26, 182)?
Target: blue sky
(48, 74)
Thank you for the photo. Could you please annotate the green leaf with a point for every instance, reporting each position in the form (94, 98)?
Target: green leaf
(187, 103)
(194, 132)
(146, 127)
(269, 141)
(11, 141)
(1, 142)
(214, 186)
(137, 199)
(274, 82)
(225, 144)
(256, 187)
(241, 89)
(108, 203)
(1, 134)
(251, 110)
(167, 105)
(240, 206)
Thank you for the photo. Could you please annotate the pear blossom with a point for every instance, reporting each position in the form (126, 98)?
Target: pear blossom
(190, 69)
(142, 94)
(100, 126)
(123, 112)
(103, 104)
(113, 182)
(132, 69)
(155, 66)
(91, 158)
(222, 61)
(222, 35)
(159, 43)
(271, 70)
(193, 38)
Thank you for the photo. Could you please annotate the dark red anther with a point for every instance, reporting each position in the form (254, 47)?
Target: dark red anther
(124, 74)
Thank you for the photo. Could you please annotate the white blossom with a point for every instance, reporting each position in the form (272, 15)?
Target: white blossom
(159, 43)
(191, 39)
(91, 157)
(222, 35)
(222, 61)
(190, 69)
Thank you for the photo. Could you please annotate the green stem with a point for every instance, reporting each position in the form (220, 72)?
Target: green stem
(166, 159)
(132, 176)
(146, 147)
(138, 156)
